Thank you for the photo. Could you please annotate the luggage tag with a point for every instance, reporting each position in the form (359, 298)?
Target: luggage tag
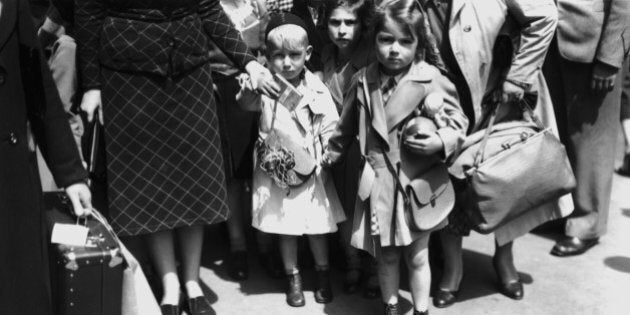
(69, 234)
(366, 181)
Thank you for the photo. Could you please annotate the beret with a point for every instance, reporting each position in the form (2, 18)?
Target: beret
(283, 18)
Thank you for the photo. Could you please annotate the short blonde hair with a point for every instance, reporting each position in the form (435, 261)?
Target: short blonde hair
(289, 36)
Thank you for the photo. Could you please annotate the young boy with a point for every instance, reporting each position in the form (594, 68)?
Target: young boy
(303, 125)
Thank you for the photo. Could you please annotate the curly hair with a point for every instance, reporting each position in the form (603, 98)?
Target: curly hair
(410, 15)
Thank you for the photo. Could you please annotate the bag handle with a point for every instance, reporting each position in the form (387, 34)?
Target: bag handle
(525, 106)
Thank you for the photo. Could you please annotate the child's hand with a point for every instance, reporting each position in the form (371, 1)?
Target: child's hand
(424, 144)
(326, 161)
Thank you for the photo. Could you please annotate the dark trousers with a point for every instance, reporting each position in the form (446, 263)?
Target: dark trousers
(588, 124)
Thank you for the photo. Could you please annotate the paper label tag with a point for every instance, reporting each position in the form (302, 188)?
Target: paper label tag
(367, 180)
(69, 234)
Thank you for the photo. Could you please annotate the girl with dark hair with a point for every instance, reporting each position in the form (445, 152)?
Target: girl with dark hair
(350, 49)
(380, 100)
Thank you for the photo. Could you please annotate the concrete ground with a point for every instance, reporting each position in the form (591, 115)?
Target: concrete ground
(597, 282)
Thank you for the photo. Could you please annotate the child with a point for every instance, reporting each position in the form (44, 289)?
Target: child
(396, 86)
(312, 208)
(349, 50)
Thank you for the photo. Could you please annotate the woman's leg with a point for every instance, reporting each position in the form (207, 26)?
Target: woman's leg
(389, 273)
(509, 281)
(453, 264)
(417, 258)
(190, 243)
(162, 253)
(503, 261)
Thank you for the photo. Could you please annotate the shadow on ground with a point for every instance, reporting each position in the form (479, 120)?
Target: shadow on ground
(618, 263)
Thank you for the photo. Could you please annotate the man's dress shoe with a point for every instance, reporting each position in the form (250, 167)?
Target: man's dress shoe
(572, 246)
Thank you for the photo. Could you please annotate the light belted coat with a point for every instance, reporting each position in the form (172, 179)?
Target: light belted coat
(313, 207)
(473, 31)
(376, 126)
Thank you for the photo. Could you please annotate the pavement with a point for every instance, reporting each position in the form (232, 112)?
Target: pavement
(597, 282)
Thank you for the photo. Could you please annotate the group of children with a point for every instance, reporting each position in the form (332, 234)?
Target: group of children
(356, 120)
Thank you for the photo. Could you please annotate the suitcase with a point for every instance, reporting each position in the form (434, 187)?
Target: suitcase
(84, 279)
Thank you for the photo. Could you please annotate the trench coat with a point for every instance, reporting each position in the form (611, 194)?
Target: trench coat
(377, 129)
(474, 28)
(27, 93)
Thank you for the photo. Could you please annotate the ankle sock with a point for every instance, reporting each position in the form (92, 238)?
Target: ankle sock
(170, 284)
(193, 289)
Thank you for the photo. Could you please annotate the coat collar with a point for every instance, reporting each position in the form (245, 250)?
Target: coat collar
(312, 88)
(456, 7)
(408, 94)
(7, 20)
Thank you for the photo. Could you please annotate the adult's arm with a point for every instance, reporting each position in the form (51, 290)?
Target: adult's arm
(45, 113)
(537, 20)
(88, 17)
(454, 133)
(615, 40)
(219, 27)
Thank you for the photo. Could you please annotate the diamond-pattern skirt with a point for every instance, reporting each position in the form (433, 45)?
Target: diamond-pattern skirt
(164, 162)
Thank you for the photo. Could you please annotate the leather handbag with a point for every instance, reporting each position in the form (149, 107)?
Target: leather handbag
(517, 166)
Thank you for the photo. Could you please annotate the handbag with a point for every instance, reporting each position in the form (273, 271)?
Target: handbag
(517, 167)
(285, 161)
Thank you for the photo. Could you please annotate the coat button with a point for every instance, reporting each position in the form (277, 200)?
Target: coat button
(467, 28)
(13, 138)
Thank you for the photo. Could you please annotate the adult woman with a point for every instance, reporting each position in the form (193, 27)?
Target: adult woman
(28, 93)
(149, 62)
(467, 33)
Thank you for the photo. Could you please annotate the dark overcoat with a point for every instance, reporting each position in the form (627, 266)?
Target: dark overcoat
(27, 93)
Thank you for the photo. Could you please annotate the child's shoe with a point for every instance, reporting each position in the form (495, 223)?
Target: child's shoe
(323, 291)
(295, 296)
(391, 309)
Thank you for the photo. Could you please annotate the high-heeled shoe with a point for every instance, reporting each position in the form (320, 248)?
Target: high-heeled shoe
(199, 306)
(295, 295)
(443, 298)
(512, 288)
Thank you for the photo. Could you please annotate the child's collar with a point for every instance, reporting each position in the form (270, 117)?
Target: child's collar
(311, 87)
